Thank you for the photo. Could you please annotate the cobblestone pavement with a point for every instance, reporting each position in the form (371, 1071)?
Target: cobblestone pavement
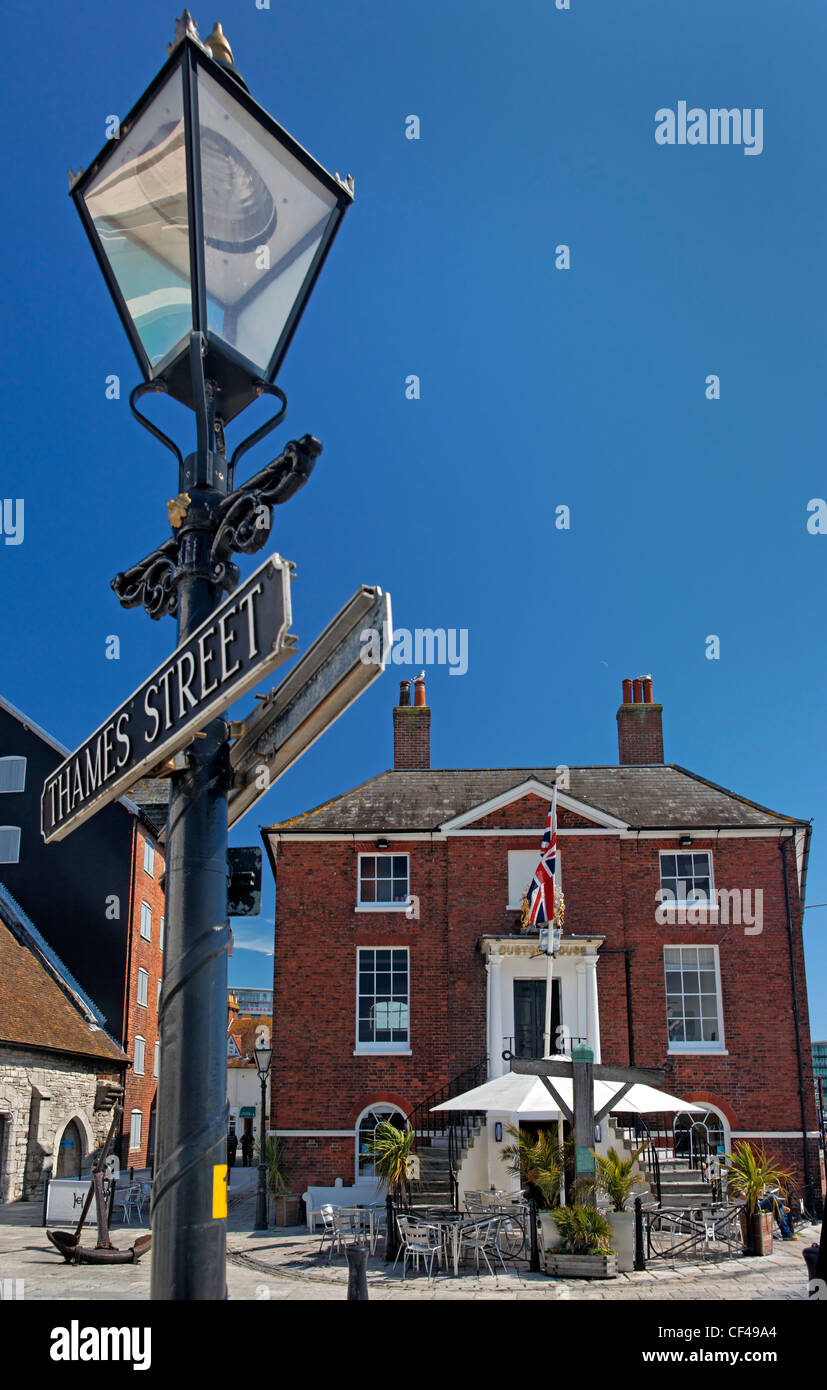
(283, 1263)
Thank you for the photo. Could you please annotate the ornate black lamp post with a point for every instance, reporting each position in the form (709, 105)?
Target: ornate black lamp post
(210, 225)
(263, 1055)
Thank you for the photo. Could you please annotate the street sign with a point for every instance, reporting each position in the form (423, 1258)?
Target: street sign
(334, 671)
(240, 643)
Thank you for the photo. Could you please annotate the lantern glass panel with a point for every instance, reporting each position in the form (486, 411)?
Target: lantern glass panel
(138, 206)
(264, 217)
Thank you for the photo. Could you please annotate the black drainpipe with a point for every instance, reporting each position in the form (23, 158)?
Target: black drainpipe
(808, 1178)
(627, 953)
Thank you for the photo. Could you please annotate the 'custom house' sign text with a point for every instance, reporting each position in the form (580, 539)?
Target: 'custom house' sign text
(238, 645)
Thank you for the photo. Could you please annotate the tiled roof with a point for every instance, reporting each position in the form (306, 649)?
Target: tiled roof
(38, 1007)
(245, 1031)
(152, 796)
(663, 796)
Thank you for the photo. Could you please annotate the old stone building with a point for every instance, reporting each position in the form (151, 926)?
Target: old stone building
(60, 1072)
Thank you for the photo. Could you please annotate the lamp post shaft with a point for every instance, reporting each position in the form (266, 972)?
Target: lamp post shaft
(189, 1196)
(261, 1190)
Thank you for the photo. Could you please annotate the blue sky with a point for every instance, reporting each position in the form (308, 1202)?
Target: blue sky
(539, 387)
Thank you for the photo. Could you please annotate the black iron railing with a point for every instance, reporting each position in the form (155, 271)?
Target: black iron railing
(461, 1126)
(644, 1140)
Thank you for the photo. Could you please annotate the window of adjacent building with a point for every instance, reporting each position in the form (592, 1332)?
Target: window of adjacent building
(383, 880)
(149, 858)
(521, 866)
(12, 774)
(383, 998)
(140, 1053)
(135, 1130)
(161, 931)
(9, 844)
(157, 1063)
(146, 921)
(143, 986)
(685, 874)
(158, 998)
(693, 998)
(366, 1127)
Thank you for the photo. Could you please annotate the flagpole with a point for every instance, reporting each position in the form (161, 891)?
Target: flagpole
(549, 990)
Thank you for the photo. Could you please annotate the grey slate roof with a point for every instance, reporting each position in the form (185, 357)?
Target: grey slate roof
(664, 796)
(152, 795)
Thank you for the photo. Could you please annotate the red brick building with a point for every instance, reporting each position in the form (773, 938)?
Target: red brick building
(400, 965)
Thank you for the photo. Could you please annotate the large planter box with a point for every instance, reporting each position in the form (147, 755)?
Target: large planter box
(286, 1209)
(761, 1233)
(623, 1226)
(581, 1266)
(549, 1233)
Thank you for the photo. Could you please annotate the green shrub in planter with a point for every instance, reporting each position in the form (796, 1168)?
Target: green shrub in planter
(584, 1229)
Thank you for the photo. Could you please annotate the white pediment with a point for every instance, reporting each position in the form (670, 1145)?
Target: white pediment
(532, 787)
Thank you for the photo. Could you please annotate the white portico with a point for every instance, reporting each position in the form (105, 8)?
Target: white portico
(515, 996)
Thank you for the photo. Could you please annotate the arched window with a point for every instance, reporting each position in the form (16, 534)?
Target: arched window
(70, 1152)
(381, 1113)
(698, 1133)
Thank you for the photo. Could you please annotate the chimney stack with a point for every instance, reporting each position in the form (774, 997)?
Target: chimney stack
(412, 729)
(639, 725)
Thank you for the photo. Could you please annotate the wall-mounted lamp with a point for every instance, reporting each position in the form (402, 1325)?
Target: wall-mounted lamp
(498, 1131)
(684, 839)
(382, 844)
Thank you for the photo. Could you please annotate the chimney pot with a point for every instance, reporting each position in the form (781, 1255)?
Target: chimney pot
(404, 694)
(419, 691)
(639, 725)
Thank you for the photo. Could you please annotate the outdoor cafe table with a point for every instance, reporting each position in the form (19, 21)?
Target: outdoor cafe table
(451, 1227)
(358, 1215)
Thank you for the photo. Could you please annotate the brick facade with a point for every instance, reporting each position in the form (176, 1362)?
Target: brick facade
(142, 1020)
(460, 881)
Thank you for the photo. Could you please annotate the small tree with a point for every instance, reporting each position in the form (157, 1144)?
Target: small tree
(276, 1173)
(389, 1149)
(541, 1157)
(613, 1175)
(750, 1172)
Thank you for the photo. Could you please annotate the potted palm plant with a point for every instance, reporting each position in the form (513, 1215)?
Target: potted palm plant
(750, 1171)
(540, 1160)
(390, 1149)
(587, 1236)
(613, 1176)
(285, 1203)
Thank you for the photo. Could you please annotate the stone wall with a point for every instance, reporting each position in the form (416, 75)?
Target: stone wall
(40, 1092)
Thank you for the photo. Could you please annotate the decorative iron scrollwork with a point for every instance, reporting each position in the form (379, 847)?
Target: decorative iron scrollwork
(244, 518)
(151, 582)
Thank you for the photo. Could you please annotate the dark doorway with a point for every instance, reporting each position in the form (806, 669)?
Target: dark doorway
(70, 1152)
(530, 1017)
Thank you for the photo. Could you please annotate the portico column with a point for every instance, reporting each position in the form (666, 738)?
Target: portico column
(592, 1013)
(582, 1028)
(496, 1065)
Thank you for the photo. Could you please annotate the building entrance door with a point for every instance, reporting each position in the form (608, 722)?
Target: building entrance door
(530, 1017)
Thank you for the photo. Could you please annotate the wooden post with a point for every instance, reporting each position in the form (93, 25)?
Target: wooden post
(582, 1058)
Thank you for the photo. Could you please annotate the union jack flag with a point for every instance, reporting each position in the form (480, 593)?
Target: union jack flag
(540, 896)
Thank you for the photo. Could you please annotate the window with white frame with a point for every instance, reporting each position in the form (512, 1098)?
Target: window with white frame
(143, 987)
(693, 999)
(140, 1054)
(9, 844)
(366, 1127)
(384, 880)
(149, 858)
(158, 996)
(12, 774)
(383, 998)
(135, 1129)
(146, 921)
(686, 878)
(161, 931)
(157, 1063)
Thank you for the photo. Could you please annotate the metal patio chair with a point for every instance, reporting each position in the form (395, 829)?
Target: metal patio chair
(419, 1241)
(482, 1238)
(328, 1230)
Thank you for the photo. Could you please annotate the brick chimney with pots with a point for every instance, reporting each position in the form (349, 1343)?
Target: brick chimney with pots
(639, 725)
(412, 729)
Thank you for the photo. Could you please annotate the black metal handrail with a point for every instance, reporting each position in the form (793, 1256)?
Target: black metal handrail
(461, 1125)
(644, 1140)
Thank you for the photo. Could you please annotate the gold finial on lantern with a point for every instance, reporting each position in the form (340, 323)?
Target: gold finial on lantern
(217, 44)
